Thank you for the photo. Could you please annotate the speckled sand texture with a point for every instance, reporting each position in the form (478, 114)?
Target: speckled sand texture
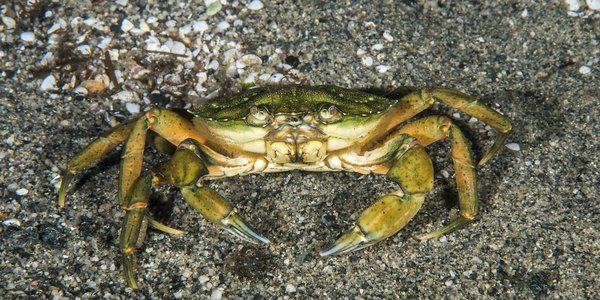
(537, 232)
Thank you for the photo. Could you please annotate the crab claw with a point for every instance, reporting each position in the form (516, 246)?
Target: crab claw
(216, 209)
(381, 220)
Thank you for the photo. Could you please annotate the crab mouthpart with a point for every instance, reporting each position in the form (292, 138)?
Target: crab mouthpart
(296, 144)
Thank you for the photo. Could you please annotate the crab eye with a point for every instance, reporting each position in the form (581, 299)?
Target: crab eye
(258, 116)
(329, 114)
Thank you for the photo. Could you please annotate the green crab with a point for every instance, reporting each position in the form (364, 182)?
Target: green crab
(319, 128)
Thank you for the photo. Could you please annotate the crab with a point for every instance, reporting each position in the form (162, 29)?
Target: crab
(278, 129)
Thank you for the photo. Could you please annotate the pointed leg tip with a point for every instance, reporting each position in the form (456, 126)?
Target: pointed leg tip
(236, 225)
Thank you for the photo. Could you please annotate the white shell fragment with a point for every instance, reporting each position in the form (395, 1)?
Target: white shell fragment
(251, 59)
(382, 68)
(276, 78)
(367, 61)
(200, 26)
(27, 36)
(223, 25)
(387, 36)
(255, 5)
(513, 146)
(126, 25)
(585, 70)
(9, 22)
(132, 108)
(573, 5)
(49, 84)
(22, 192)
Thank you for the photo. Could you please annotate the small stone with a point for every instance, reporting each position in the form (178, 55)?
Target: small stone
(93, 86)
(573, 5)
(377, 47)
(27, 36)
(367, 61)
(178, 47)
(11, 222)
(171, 23)
(445, 173)
(585, 70)
(289, 288)
(200, 26)
(255, 5)
(387, 36)
(104, 43)
(213, 8)
(85, 50)
(382, 68)
(513, 146)
(203, 279)
(9, 22)
(49, 84)
(21, 192)
(216, 294)
(132, 108)
(122, 2)
(223, 25)
(361, 52)
(276, 78)
(593, 4)
(126, 25)
(251, 59)
(151, 20)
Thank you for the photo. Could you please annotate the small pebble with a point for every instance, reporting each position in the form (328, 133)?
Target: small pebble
(203, 279)
(223, 25)
(213, 8)
(199, 26)
(22, 192)
(361, 52)
(276, 78)
(387, 36)
(593, 4)
(122, 2)
(126, 25)
(49, 84)
(255, 5)
(382, 68)
(445, 173)
(251, 59)
(27, 36)
(9, 22)
(290, 288)
(513, 146)
(525, 13)
(377, 47)
(216, 294)
(11, 222)
(132, 108)
(585, 70)
(573, 5)
(367, 61)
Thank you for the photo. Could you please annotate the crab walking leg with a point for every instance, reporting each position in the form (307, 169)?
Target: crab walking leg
(413, 171)
(434, 128)
(417, 101)
(93, 151)
(184, 170)
(134, 227)
(216, 209)
(132, 158)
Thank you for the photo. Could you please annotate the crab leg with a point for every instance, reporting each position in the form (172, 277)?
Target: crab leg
(102, 145)
(417, 101)
(434, 128)
(185, 169)
(134, 227)
(413, 171)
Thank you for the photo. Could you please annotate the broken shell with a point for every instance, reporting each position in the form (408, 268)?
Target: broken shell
(93, 86)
